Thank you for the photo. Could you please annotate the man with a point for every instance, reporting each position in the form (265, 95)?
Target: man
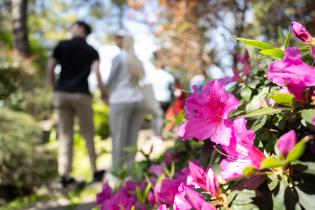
(72, 96)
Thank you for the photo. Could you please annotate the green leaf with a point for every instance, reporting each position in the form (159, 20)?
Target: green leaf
(172, 171)
(300, 167)
(254, 104)
(297, 151)
(284, 197)
(287, 39)
(180, 118)
(243, 200)
(273, 181)
(306, 199)
(253, 84)
(263, 111)
(271, 162)
(160, 180)
(249, 170)
(259, 123)
(139, 195)
(308, 115)
(278, 196)
(244, 197)
(255, 43)
(285, 99)
(274, 53)
(246, 93)
(147, 190)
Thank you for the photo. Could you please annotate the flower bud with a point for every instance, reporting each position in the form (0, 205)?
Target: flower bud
(301, 33)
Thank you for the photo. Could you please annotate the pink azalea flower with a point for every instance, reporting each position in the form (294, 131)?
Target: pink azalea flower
(236, 75)
(119, 200)
(207, 180)
(243, 58)
(241, 139)
(286, 142)
(246, 69)
(180, 202)
(241, 152)
(207, 114)
(212, 183)
(301, 33)
(182, 175)
(156, 169)
(151, 198)
(292, 72)
(163, 207)
(231, 169)
(197, 201)
(227, 80)
(165, 192)
(124, 198)
(104, 195)
(191, 182)
(170, 156)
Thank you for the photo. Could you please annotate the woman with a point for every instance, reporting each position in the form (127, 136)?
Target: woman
(125, 99)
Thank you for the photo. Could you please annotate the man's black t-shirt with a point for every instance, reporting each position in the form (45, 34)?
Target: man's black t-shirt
(75, 57)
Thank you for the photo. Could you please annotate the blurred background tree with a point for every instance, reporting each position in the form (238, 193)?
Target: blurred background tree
(195, 36)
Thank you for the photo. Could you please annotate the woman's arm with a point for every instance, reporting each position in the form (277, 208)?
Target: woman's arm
(116, 64)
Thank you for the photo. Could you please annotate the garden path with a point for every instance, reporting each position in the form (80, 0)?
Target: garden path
(146, 140)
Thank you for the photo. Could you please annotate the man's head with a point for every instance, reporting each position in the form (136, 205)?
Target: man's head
(80, 29)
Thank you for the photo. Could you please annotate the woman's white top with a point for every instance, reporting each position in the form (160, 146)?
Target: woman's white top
(119, 82)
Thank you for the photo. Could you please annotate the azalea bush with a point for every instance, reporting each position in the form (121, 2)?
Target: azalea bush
(256, 135)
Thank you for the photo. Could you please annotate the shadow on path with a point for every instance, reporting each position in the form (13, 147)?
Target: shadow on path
(85, 206)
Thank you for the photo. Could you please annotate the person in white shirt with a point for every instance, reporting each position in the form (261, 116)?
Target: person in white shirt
(125, 99)
(163, 84)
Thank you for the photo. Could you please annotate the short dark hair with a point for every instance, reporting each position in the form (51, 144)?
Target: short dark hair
(87, 27)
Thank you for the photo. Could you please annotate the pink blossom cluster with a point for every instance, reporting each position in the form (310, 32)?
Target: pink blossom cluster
(162, 192)
(124, 198)
(291, 72)
(208, 118)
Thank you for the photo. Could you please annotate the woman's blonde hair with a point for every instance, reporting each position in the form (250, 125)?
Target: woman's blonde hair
(134, 64)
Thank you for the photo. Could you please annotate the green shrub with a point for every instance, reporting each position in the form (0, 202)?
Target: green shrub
(39, 106)
(24, 163)
(101, 120)
(17, 76)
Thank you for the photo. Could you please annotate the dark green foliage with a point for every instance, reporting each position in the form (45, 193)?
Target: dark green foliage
(24, 163)
(101, 120)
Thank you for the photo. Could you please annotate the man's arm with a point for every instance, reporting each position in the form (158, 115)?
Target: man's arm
(52, 63)
(96, 68)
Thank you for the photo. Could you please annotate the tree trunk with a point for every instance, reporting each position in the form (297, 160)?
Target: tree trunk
(20, 31)
(121, 16)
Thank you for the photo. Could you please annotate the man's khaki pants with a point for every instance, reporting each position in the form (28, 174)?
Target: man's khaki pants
(68, 106)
